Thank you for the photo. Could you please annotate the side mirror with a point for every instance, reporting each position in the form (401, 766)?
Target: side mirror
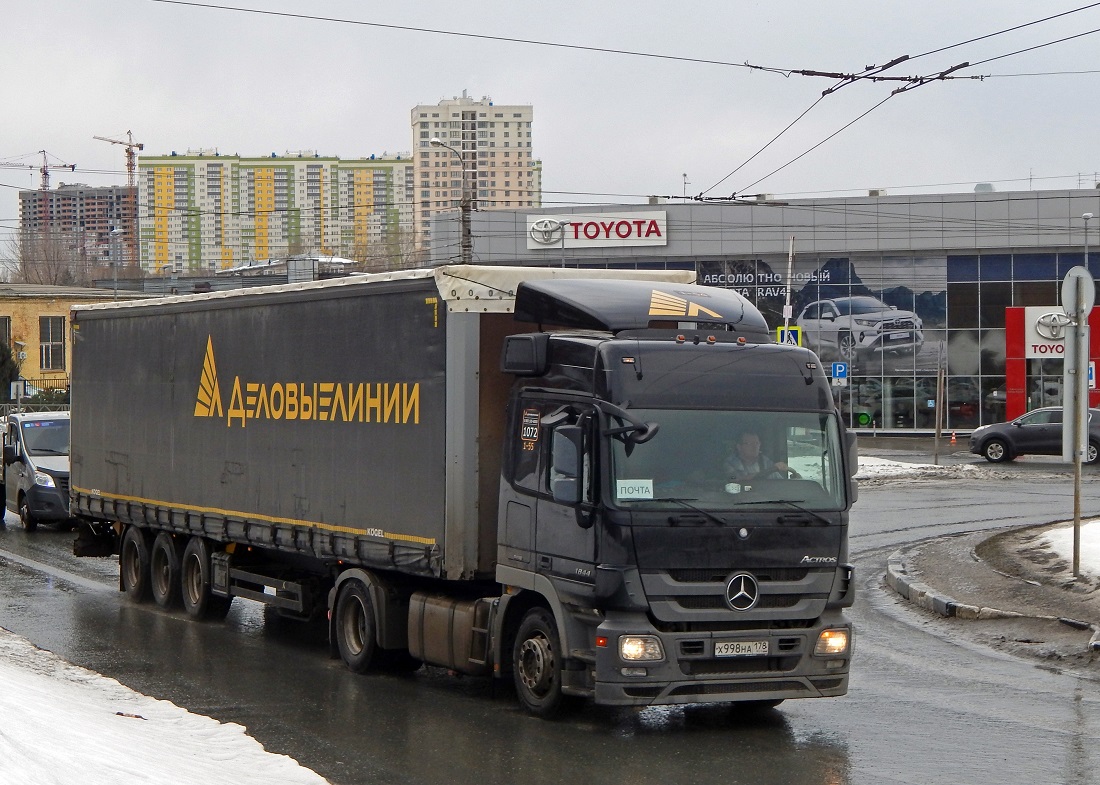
(11, 454)
(853, 455)
(566, 453)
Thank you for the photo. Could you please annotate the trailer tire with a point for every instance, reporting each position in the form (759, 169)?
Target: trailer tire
(164, 571)
(355, 627)
(133, 564)
(537, 664)
(195, 573)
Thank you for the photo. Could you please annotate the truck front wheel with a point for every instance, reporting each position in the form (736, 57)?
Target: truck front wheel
(355, 626)
(198, 600)
(537, 664)
(133, 564)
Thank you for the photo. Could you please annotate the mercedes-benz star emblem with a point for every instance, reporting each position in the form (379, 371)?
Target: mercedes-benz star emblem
(1052, 326)
(548, 231)
(742, 592)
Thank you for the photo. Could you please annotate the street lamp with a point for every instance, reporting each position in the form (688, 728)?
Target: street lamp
(466, 203)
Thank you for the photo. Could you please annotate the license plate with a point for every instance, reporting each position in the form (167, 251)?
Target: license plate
(898, 336)
(740, 648)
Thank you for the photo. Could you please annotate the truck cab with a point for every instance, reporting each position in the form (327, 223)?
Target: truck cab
(36, 467)
(673, 579)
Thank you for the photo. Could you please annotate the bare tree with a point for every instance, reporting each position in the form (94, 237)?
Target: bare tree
(47, 257)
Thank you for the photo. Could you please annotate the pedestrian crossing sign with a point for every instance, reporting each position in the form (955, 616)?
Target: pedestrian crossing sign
(792, 336)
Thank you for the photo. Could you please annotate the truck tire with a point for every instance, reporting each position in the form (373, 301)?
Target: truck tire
(195, 572)
(133, 564)
(164, 571)
(354, 626)
(537, 664)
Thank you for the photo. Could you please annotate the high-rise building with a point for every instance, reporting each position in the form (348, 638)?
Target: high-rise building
(486, 148)
(203, 211)
(79, 225)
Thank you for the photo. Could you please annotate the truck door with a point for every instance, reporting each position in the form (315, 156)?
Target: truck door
(565, 543)
(13, 465)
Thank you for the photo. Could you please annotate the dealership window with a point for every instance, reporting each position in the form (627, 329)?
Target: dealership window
(51, 337)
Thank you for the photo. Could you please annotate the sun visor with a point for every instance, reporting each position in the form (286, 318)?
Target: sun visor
(616, 305)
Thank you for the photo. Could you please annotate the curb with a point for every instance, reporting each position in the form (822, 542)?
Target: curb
(924, 596)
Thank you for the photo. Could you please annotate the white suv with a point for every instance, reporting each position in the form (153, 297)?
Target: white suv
(851, 326)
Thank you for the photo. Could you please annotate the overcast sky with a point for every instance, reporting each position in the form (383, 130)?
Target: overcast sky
(609, 127)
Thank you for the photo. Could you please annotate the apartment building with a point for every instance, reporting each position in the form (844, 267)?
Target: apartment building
(485, 147)
(91, 225)
(203, 211)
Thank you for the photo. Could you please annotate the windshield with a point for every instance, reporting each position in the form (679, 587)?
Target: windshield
(721, 460)
(855, 305)
(46, 437)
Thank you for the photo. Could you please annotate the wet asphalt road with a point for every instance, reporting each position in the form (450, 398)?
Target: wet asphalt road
(923, 707)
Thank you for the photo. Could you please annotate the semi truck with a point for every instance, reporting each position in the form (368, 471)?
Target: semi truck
(516, 473)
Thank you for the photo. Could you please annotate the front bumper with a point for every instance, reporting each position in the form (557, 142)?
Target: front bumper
(890, 340)
(690, 673)
(47, 504)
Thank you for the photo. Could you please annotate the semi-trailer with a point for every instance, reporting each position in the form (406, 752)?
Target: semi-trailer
(519, 473)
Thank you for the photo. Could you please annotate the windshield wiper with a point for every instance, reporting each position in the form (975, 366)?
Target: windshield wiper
(692, 507)
(795, 505)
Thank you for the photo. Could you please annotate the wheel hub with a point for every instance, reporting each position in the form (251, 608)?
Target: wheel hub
(535, 664)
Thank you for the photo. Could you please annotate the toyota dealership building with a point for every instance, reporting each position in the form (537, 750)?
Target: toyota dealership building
(894, 287)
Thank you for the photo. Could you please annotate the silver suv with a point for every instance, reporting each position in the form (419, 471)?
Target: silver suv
(850, 326)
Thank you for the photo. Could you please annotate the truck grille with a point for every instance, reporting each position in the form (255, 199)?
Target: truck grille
(697, 596)
(898, 324)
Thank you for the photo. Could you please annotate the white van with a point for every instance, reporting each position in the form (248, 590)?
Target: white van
(36, 467)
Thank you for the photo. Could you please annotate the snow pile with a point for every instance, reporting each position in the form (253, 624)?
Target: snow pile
(1060, 540)
(64, 724)
(877, 471)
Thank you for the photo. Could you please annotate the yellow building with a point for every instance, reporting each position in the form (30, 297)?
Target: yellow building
(34, 323)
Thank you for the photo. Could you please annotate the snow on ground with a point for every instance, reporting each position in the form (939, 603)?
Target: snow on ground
(1060, 541)
(877, 471)
(65, 725)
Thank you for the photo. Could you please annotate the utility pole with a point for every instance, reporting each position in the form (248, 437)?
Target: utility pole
(465, 205)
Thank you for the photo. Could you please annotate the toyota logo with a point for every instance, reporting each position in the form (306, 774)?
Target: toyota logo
(742, 592)
(547, 231)
(1052, 326)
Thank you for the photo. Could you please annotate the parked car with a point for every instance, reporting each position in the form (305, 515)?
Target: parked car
(849, 326)
(36, 467)
(1038, 432)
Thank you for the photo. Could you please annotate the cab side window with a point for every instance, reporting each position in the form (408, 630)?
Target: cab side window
(533, 454)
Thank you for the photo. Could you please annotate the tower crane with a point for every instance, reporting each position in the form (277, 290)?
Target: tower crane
(44, 169)
(131, 155)
(129, 228)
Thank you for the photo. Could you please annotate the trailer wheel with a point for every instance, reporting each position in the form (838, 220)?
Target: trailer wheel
(133, 564)
(537, 664)
(164, 571)
(195, 572)
(355, 627)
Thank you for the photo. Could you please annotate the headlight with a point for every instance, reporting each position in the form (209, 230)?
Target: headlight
(640, 647)
(866, 322)
(832, 643)
(43, 479)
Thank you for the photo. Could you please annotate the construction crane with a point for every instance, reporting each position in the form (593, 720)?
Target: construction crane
(44, 169)
(129, 229)
(131, 155)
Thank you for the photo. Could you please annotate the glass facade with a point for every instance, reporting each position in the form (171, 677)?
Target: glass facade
(897, 319)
